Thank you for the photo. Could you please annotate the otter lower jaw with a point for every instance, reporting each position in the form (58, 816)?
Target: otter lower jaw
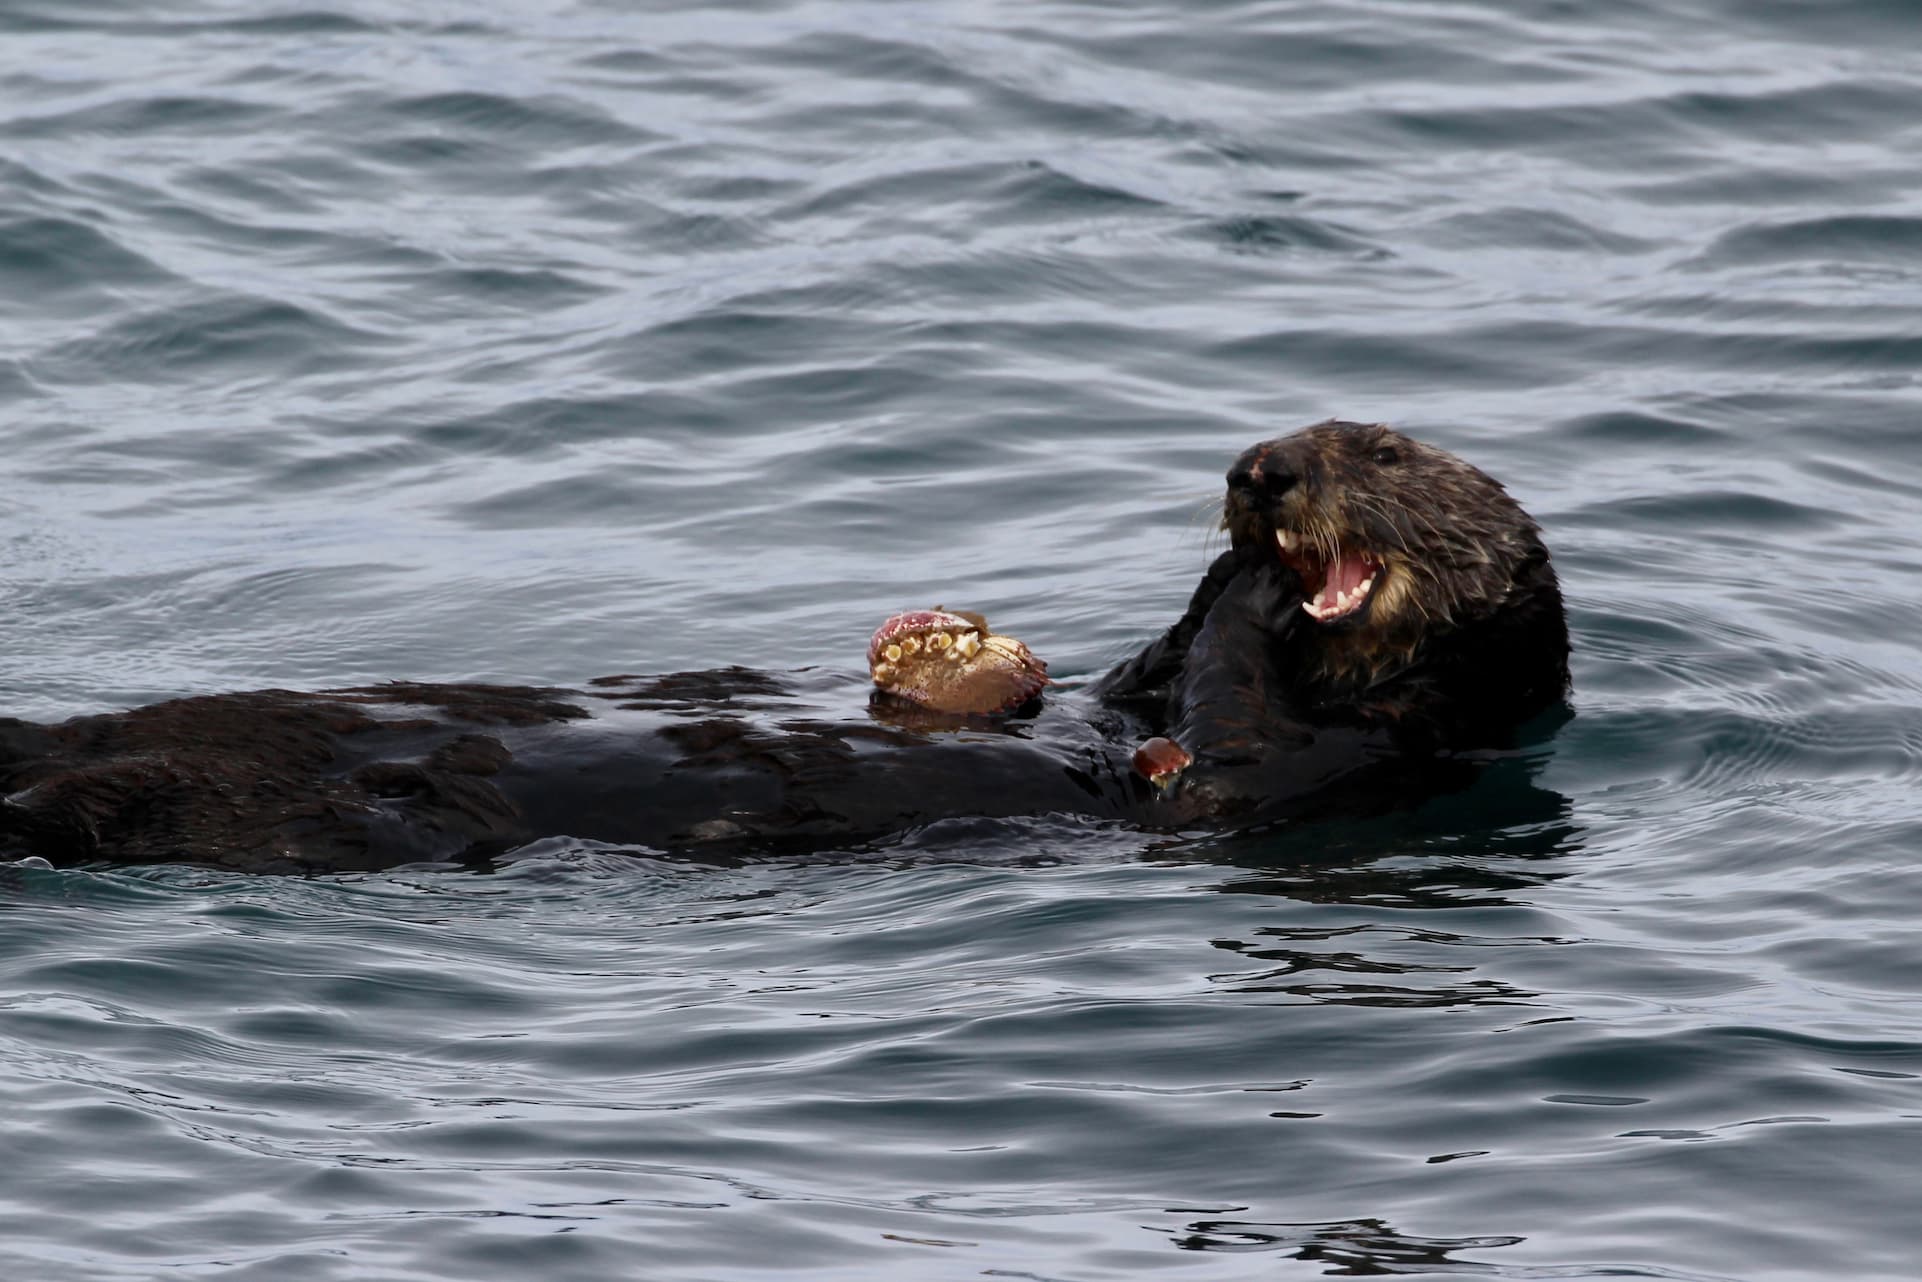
(1336, 588)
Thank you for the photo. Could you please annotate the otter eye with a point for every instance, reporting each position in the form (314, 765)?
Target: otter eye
(1386, 455)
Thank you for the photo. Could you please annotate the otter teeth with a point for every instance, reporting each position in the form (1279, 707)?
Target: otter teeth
(1342, 604)
(1287, 540)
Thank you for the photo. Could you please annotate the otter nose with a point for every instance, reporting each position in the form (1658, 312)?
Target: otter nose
(1264, 475)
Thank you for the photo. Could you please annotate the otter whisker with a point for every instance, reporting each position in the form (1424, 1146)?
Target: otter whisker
(1373, 503)
(1388, 517)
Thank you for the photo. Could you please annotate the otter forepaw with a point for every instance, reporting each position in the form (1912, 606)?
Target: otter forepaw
(1262, 589)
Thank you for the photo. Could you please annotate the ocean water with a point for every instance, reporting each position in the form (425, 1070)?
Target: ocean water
(343, 340)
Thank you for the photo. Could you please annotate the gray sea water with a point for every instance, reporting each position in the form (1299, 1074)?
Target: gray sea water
(343, 340)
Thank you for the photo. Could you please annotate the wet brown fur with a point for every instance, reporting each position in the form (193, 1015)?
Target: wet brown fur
(1450, 541)
(274, 780)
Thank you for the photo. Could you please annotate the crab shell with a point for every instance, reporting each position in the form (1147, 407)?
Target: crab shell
(951, 661)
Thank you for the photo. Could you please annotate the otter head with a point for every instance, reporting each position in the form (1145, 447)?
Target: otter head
(1394, 540)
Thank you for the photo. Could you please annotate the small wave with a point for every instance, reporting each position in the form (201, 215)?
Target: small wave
(1888, 239)
(229, 336)
(157, 116)
(45, 257)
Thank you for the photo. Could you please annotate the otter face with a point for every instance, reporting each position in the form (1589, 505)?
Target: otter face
(950, 661)
(1391, 537)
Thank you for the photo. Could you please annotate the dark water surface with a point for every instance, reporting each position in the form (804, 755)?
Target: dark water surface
(343, 341)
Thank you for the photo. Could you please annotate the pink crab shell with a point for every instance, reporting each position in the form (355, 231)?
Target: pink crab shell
(998, 675)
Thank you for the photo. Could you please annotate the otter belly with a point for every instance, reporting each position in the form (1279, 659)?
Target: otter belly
(801, 762)
(717, 762)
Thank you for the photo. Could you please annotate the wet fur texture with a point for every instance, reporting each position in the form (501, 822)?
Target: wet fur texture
(1463, 638)
(1456, 551)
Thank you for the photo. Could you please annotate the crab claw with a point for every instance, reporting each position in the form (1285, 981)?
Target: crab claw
(1159, 760)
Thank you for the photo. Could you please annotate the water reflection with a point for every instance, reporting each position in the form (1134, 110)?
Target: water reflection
(1420, 988)
(1497, 833)
(1349, 1248)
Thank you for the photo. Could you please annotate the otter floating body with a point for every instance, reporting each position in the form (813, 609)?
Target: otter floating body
(1381, 602)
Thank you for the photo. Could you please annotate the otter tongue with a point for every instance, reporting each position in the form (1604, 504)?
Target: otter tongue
(1345, 574)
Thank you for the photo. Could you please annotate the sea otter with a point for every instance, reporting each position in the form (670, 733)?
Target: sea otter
(1382, 606)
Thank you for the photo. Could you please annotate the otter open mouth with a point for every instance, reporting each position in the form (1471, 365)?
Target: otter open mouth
(1337, 587)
